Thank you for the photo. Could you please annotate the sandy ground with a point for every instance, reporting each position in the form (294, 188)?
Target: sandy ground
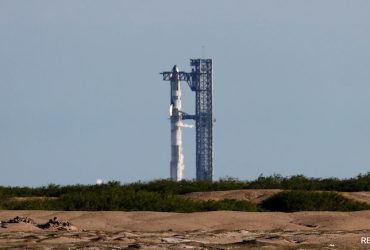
(358, 196)
(258, 195)
(252, 195)
(206, 230)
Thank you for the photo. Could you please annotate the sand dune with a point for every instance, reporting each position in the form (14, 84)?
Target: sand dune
(358, 196)
(258, 195)
(252, 195)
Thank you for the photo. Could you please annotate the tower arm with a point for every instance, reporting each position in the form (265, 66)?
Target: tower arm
(186, 116)
(183, 76)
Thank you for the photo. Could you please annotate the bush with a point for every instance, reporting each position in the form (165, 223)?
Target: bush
(162, 195)
(299, 200)
(115, 198)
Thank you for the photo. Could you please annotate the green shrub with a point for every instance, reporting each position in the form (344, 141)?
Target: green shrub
(128, 201)
(300, 200)
(162, 195)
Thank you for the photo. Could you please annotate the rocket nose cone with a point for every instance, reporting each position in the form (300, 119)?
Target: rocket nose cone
(175, 68)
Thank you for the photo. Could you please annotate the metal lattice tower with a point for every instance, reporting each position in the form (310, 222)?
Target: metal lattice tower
(200, 81)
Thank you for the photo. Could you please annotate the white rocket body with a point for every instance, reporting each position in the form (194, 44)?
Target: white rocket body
(177, 156)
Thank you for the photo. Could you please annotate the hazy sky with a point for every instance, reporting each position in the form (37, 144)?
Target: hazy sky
(81, 97)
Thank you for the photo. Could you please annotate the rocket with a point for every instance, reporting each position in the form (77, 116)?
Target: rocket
(199, 81)
(177, 156)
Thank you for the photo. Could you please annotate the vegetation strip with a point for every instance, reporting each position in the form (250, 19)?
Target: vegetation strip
(162, 195)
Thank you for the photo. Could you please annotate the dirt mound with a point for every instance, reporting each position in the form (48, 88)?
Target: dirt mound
(363, 196)
(18, 219)
(259, 195)
(251, 195)
(56, 224)
(51, 224)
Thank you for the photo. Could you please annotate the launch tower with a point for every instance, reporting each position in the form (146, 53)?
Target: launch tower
(199, 81)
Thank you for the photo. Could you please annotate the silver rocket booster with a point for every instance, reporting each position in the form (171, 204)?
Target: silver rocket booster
(177, 157)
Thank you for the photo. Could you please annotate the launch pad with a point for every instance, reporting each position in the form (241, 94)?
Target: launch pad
(199, 81)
